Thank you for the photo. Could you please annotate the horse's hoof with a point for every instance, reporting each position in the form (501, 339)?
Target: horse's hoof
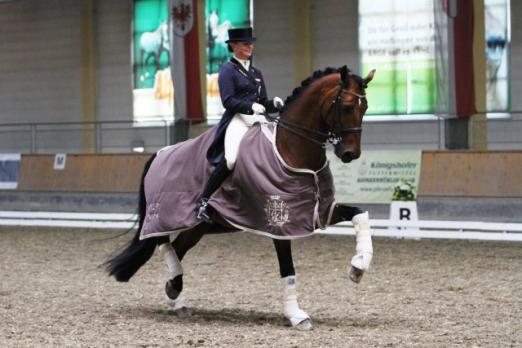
(183, 312)
(356, 274)
(179, 307)
(305, 325)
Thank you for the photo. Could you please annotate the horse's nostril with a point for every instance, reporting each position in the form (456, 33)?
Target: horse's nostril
(347, 157)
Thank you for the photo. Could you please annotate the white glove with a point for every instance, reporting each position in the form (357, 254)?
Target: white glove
(258, 108)
(278, 103)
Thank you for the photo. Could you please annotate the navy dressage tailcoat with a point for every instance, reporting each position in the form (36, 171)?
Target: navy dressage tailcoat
(238, 89)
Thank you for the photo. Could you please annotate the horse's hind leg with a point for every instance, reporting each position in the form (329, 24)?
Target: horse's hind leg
(174, 270)
(173, 254)
(186, 240)
(183, 243)
(297, 317)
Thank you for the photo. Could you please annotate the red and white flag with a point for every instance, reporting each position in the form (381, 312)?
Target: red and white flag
(185, 62)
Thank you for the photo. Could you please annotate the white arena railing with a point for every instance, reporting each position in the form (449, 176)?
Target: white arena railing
(68, 219)
(440, 229)
(497, 231)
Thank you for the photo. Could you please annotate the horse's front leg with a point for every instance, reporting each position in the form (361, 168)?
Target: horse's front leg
(297, 317)
(364, 249)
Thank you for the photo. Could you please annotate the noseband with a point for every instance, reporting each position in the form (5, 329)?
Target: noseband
(333, 136)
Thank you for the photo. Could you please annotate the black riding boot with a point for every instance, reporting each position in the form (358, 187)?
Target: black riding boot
(220, 173)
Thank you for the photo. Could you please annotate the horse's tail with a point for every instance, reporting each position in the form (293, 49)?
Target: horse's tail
(124, 265)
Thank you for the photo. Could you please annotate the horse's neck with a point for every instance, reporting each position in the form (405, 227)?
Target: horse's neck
(296, 150)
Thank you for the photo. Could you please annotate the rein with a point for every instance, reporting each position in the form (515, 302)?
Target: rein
(333, 136)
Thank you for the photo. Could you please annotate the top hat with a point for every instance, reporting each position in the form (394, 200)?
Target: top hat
(240, 35)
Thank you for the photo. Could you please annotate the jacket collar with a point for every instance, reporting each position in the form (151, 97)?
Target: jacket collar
(242, 69)
(245, 63)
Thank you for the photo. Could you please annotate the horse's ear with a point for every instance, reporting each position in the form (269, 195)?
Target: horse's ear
(369, 77)
(344, 75)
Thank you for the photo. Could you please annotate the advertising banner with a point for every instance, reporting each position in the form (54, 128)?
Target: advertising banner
(373, 177)
(153, 90)
(152, 83)
(396, 37)
(498, 39)
(221, 15)
(9, 169)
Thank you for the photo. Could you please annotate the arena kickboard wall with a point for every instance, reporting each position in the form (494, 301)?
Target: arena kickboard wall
(471, 173)
(82, 173)
(443, 173)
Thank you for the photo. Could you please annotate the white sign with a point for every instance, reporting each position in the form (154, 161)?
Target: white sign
(404, 210)
(59, 161)
(373, 177)
(9, 168)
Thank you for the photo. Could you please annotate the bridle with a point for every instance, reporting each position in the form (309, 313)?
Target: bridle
(333, 135)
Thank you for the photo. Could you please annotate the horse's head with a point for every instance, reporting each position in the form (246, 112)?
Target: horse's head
(326, 109)
(343, 108)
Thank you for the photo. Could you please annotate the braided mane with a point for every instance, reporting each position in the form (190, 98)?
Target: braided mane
(296, 93)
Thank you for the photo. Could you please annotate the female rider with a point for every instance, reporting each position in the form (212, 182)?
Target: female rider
(243, 94)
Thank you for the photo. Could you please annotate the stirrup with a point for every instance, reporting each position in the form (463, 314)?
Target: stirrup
(202, 213)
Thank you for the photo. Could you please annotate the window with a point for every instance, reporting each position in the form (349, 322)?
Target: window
(396, 37)
(221, 15)
(152, 84)
(153, 92)
(498, 38)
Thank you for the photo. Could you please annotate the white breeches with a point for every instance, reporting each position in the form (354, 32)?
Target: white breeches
(234, 134)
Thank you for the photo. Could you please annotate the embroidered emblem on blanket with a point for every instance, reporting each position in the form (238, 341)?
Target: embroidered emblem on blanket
(152, 211)
(276, 211)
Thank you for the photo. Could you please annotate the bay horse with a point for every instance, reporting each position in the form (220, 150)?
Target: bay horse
(327, 109)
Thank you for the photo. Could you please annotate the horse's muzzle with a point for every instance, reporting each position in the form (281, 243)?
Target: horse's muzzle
(344, 154)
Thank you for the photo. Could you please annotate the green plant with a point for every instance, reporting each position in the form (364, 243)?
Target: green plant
(404, 191)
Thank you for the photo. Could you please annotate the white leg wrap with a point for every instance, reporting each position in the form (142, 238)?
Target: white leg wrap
(171, 259)
(291, 308)
(364, 248)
